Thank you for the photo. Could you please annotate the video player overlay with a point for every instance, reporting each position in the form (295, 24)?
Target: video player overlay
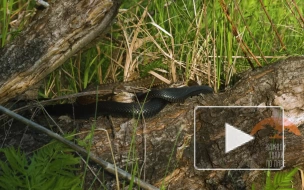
(238, 138)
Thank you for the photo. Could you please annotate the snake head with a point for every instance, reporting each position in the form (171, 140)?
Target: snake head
(124, 97)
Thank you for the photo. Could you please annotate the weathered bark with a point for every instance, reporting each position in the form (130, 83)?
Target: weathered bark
(55, 34)
(280, 84)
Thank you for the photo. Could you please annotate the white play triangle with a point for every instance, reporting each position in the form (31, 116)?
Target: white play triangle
(235, 138)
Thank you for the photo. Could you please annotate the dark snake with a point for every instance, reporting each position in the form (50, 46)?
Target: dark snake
(155, 101)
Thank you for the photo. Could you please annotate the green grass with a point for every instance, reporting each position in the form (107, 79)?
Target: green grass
(178, 39)
(181, 41)
(14, 15)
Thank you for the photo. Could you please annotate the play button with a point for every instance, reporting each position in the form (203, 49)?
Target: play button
(225, 138)
(235, 138)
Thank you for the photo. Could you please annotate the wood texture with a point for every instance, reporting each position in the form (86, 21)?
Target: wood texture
(55, 34)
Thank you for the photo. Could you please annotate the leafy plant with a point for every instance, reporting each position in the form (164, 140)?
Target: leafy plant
(281, 180)
(51, 167)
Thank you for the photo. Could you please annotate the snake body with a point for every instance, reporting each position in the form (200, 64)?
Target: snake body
(152, 103)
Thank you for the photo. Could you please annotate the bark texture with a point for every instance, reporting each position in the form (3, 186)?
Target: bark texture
(164, 144)
(55, 34)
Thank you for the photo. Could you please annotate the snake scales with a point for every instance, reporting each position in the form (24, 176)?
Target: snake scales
(145, 104)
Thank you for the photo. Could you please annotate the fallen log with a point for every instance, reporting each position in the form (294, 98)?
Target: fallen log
(164, 144)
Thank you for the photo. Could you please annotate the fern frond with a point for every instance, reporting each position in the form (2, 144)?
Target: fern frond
(281, 180)
(51, 167)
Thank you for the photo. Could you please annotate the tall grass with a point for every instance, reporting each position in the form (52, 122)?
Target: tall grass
(180, 40)
(197, 40)
(14, 15)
